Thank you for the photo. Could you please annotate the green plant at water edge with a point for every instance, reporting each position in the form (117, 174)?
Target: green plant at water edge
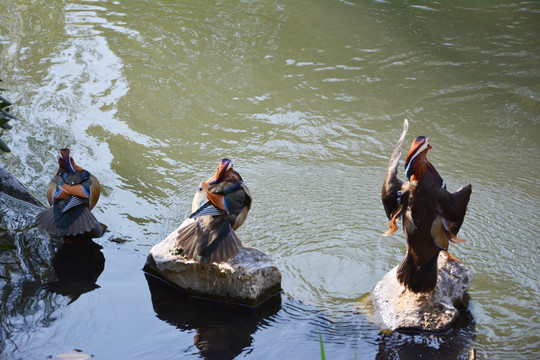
(322, 348)
(323, 357)
(5, 116)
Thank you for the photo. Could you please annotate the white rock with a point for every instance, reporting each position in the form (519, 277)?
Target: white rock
(400, 309)
(249, 278)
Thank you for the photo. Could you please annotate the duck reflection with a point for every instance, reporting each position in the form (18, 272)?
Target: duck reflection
(223, 330)
(77, 266)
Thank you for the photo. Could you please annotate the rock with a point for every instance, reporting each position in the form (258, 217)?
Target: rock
(15, 214)
(400, 309)
(9, 185)
(249, 278)
(18, 207)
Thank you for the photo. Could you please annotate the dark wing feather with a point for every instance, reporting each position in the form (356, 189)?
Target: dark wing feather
(45, 220)
(208, 209)
(208, 239)
(225, 188)
(454, 206)
(392, 184)
(57, 223)
(238, 200)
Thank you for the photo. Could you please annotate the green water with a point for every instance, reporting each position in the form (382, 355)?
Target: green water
(308, 99)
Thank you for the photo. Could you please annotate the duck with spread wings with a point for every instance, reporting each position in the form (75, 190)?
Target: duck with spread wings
(72, 193)
(431, 216)
(220, 206)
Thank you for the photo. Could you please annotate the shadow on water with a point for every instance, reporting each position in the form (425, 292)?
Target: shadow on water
(77, 266)
(456, 344)
(223, 330)
(25, 259)
(28, 259)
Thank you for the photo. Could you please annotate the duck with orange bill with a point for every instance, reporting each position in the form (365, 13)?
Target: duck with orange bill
(220, 206)
(431, 216)
(72, 193)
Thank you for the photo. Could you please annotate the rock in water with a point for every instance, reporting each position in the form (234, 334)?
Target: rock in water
(400, 309)
(249, 278)
(9, 185)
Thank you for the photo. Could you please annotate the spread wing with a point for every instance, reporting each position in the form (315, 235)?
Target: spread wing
(454, 206)
(392, 185)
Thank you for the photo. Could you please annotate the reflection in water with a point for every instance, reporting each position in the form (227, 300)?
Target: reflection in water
(77, 266)
(223, 330)
(455, 345)
(24, 264)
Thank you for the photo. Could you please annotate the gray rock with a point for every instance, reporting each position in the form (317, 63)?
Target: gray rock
(17, 215)
(9, 185)
(18, 207)
(399, 309)
(249, 278)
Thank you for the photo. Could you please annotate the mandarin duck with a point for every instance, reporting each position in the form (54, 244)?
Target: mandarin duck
(220, 206)
(431, 216)
(72, 193)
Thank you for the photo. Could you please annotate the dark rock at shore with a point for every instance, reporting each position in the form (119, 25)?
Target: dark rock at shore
(9, 185)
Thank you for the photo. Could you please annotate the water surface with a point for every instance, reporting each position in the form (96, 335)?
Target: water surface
(308, 99)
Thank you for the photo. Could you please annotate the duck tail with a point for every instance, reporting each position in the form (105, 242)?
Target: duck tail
(223, 250)
(65, 224)
(418, 279)
(45, 220)
(198, 241)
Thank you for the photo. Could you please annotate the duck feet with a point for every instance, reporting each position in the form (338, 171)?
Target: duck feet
(451, 257)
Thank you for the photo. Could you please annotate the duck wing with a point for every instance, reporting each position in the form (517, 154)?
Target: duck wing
(392, 185)
(199, 199)
(454, 206)
(85, 185)
(234, 195)
(207, 209)
(94, 188)
(239, 204)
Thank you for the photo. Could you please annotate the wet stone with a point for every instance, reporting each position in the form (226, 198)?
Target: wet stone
(400, 309)
(249, 278)
(9, 185)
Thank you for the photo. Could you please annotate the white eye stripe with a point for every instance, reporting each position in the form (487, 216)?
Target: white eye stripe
(422, 148)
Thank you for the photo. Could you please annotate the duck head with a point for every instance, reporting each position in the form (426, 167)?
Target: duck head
(224, 172)
(65, 162)
(417, 152)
